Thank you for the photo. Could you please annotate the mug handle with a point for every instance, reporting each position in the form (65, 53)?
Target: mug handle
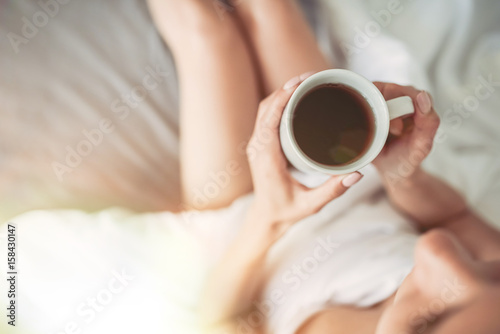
(400, 106)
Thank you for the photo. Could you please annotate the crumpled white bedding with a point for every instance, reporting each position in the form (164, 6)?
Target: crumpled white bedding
(450, 48)
(48, 107)
(93, 62)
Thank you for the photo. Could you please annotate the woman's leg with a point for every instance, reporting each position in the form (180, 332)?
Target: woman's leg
(281, 38)
(218, 100)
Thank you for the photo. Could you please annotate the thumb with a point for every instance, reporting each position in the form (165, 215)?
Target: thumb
(426, 119)
(426, 122)
(334, 188)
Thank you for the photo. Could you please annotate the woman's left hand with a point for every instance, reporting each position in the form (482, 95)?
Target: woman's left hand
(280, 200)
(411, 141)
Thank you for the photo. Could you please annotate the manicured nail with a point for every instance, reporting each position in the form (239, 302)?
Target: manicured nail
(351, 179)
(291, 83)
(424, 102)
(306, 75)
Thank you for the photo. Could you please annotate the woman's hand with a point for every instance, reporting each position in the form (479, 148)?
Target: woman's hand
(424, 198)
(411, 139)
(280, 200)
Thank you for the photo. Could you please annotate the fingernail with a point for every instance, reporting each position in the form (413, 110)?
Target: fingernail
(424, 102)
(306, 75)
(291, 83)
(351, 179)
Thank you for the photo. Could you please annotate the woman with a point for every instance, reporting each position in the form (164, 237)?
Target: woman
(228, 58)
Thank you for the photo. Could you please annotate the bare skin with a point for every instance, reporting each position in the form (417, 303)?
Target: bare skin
(219, 96)
(213, 56)
(230, 72)
(281, 39)
(459, 248)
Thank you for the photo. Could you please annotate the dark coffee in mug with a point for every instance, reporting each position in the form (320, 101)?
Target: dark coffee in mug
(333, 124)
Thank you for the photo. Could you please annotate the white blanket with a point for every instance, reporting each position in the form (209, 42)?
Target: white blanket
(452, 49)
(70, 75)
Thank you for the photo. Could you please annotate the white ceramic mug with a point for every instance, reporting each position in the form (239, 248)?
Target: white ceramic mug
(383, 112)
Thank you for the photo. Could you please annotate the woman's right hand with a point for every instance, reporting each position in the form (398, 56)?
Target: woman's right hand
(280, 200)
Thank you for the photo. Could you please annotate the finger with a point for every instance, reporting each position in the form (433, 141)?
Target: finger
(266, 133)
(265, 138)
(275, 104)
(333, 188)
(391, 91)
(426, 120)
(421, 99)
(426, 117)
(270, 111)
(396, 127)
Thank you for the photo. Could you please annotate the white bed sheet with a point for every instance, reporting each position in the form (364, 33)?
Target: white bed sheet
(69, 77)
